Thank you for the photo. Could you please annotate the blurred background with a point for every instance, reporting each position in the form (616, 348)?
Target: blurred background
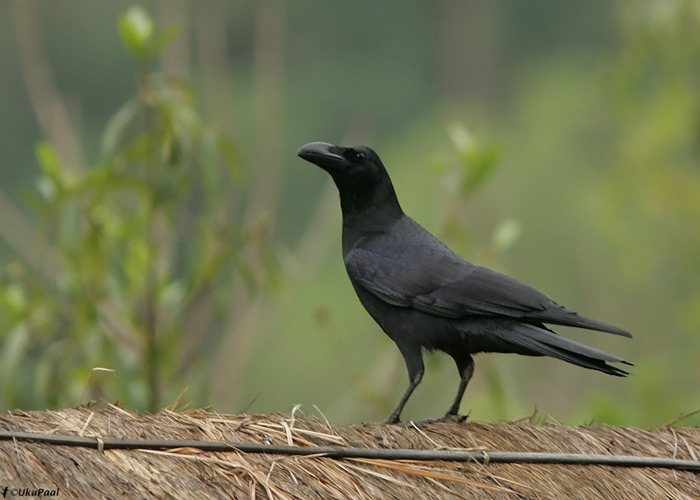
(161, 244)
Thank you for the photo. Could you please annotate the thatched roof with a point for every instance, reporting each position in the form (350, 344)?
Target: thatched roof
(187, 472)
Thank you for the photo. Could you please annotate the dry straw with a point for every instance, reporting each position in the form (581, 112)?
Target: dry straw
(113, 453)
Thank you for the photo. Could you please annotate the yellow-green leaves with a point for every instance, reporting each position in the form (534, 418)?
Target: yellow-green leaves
(137, 31)
(477, 160)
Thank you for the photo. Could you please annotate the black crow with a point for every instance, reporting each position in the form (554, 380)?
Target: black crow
(425, 296)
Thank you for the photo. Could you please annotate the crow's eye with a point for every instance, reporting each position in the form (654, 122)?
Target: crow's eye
(359, 155)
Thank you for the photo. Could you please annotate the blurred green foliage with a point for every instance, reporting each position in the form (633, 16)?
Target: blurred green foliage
(143, 251)
(557, 142)
(136, 28)
(655, 185)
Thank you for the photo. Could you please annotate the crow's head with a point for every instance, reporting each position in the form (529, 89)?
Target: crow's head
(359, 174)
(357, 162)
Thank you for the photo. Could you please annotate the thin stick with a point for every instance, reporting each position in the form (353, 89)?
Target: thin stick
(368, 453)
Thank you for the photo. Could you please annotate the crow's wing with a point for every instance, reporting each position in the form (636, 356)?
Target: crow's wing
(407, 266)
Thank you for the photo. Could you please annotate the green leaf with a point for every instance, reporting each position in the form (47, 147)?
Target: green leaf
(14, 298)
(50, 183)
(113, 136)
(48, 159)
(479, 162)
(163, 39)
(460, 136)
(136, 29)
(506, 234)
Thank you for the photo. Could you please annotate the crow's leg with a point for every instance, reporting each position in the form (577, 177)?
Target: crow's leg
(414, 363)
(465, 365)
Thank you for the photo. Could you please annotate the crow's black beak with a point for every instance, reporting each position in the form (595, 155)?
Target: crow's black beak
(324, 155)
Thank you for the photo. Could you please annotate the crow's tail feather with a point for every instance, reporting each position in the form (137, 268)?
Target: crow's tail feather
(541, 341)
(562, 316)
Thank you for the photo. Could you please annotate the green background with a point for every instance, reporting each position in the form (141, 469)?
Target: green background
(148, 248)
